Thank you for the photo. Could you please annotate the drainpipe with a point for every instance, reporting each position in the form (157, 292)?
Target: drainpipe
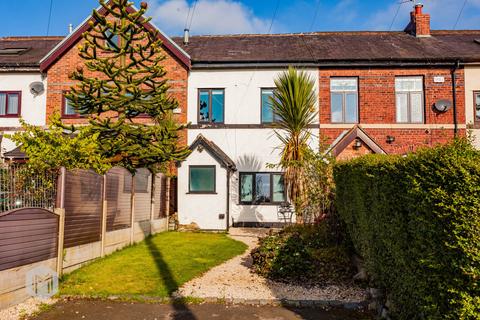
(228, 199)
(454, 91)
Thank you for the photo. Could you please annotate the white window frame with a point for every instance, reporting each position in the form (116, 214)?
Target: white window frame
(409, 93)
(344, 93)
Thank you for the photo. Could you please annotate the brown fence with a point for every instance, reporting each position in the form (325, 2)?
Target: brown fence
(27, 235)
(84, 196)
(65, 220)
(90, 205)
(83, 207)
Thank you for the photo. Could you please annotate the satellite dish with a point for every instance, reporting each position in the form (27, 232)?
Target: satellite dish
(442, 105)
(37, 88)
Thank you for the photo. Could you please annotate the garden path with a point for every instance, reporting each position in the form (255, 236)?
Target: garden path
(235, 281)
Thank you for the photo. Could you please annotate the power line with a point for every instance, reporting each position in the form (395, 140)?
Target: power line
(274, 16)
(398, 10)
(49, 16)
(395, 16)
(188, 16)
(314, 16)
(193, 13)
(460, 14)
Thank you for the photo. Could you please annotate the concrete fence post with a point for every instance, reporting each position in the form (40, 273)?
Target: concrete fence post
(60, 211)
(61, 235)
(132, 210)
(152, 202)
(104, 214)
(167, 198)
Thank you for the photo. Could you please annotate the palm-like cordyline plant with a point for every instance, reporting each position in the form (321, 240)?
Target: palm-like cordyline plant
(294, 106)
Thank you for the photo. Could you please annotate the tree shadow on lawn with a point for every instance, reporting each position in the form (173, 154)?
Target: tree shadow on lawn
(182, 312)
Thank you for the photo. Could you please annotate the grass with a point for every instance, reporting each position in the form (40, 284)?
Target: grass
(155, 267)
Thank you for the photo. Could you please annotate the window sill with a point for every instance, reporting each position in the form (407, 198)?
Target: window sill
(201, 192)
(332, 122)
(74, 117)
(260, 204)
(10, 116)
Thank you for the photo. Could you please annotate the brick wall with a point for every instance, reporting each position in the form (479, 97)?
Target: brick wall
(59, 81)
(377, 107)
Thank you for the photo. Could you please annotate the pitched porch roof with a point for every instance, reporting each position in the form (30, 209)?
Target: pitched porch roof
(346, 137)
(215, 151)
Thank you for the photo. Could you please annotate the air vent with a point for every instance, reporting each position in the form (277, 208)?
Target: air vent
(12, 51)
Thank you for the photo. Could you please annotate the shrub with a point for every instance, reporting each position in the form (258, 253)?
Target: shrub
(306, 253)
(416, 222)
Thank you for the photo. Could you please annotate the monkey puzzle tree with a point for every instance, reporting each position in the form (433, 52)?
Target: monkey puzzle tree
(124, 80)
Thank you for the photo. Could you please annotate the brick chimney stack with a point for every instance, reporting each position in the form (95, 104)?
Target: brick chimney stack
(419, 25)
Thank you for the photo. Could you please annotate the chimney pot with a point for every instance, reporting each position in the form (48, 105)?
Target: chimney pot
(418, 8)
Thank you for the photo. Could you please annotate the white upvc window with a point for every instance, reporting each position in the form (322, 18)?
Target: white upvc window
(344, 100)
(409, 99)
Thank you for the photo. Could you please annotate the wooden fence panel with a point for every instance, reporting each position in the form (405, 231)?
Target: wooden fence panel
(83, 207)
(118, 201)
(27, 235)
(143, 191)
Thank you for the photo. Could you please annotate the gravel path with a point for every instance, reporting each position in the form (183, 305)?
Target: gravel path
(23, 309)
(235, 280)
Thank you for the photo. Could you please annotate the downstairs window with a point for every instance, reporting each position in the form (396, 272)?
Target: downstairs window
(262, 188)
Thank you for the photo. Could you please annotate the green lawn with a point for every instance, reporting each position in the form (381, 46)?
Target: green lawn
(155, 267)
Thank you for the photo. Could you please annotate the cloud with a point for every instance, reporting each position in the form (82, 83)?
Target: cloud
(211, 17)
(443, 14)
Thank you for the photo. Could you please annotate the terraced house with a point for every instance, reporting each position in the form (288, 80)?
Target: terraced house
(378, 92)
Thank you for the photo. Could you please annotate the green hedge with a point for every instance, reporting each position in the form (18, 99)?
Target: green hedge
(416, 222)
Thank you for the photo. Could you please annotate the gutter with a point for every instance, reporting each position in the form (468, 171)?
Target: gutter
(454, 92)
(319, 64)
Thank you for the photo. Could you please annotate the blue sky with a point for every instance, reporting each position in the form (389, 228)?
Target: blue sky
(30, 17)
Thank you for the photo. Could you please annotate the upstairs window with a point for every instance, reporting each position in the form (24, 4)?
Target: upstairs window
(268, 115)
(68, 110)
(211, 105)
(344, 100)
(476, 108)
(112, 40)
(262, 188)
(409, 99)
(10, 103)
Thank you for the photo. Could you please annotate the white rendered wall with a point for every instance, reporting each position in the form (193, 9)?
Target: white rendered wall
(251, 149)
(472, 83)
(202, 209)
(33, 108)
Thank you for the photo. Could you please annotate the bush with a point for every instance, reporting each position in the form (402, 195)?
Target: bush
(306, 253)
(416, 222)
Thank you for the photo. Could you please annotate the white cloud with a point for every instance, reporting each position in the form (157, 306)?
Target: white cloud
(443, 14)
(211, 17)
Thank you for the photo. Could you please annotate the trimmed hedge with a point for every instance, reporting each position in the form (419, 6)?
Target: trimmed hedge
(416, 222)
